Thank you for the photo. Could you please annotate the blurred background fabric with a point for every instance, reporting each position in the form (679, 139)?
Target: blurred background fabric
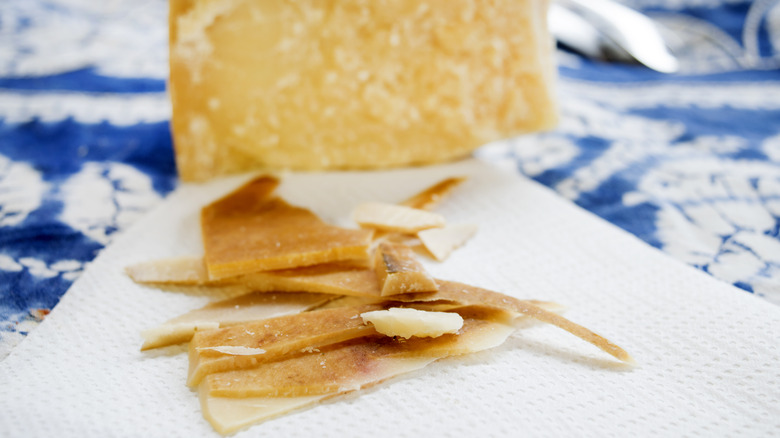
(689, 163)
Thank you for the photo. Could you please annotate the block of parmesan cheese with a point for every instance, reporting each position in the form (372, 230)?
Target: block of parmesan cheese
(353, 84)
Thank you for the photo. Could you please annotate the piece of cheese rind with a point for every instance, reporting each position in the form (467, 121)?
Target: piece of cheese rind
(441, 242)
(342, 368)
(276, 337)
(237, 310)
(251, 231)
(188, 270)
(173, 333)
(399, 272)
(229, 415)
(353, 365)
(349, 277)
(332, 279)
(407, 323)
(429, 198)
(232, 350)
(454, 292)
(395, 218)
(353, 84)
(250, 194)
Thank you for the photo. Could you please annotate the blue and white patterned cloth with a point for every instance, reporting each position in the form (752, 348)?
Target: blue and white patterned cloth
(689, 163)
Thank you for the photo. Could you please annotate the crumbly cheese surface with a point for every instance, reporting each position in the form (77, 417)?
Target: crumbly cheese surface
(353, 84)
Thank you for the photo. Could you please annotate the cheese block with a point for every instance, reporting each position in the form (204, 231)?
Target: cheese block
(353, 84)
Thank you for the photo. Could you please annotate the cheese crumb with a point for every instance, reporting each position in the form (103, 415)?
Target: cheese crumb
(412, 322)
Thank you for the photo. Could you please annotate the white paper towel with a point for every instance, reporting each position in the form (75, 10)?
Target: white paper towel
(708, 352)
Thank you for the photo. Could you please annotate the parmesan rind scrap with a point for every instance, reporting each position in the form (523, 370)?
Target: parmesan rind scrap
(276, 337)
(399, 272)
(465, 294)
(333, 279)
(234, 350)
(173, 333)
(398, 321)
(228, 312)
(228, 415)
(188, 270)
(433, 195)
(333, 370)
(342, 278)
(440, 242)
(251, 231)
(396, 218)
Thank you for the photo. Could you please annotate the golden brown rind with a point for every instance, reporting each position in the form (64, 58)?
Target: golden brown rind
(399, 272)
(251, 231)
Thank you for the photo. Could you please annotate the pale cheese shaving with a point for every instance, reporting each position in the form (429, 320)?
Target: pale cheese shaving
(233, 350)
(440, 242)
(406, 322)
(391, 217)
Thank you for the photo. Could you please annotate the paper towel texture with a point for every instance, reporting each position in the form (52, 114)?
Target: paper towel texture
(708, 354)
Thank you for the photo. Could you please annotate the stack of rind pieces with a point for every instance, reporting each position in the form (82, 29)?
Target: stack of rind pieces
(325, 310)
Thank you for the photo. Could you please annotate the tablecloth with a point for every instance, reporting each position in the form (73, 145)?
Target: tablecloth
(689, 163)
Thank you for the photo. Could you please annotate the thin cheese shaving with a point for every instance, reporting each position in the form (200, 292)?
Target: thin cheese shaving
(406, 323)
(233, 350)
(397, 218)
(440, 242)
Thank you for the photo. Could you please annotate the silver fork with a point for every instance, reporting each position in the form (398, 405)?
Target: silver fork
(605, 29)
